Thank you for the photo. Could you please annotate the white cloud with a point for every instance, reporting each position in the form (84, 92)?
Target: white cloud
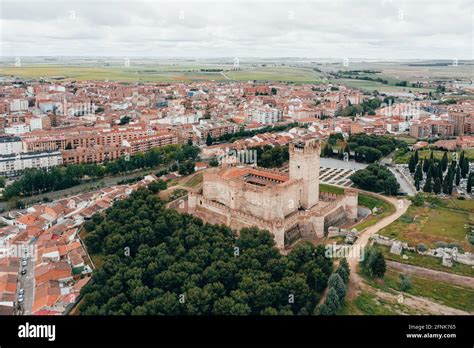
(313, 28)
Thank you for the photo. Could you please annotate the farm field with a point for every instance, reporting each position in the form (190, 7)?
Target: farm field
(130, 74)
(284, 74)
(163, 73)
(374, 85)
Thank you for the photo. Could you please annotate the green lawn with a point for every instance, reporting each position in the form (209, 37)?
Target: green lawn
(430, 225)
(371, 202)
(365, 200)
(195, 181)
(331, 189)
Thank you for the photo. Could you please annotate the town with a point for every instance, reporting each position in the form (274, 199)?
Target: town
(106, 129)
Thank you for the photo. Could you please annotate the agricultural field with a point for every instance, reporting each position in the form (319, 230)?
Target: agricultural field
(284, 74)
(164, 73)
(125, 74)
(370, 86)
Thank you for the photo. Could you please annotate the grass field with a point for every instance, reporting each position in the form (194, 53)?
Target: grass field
(164, 73)
(430, 225)
(427, 262)
(373, 85)
(284, 74)
(444, 293)
(331, 189)
(126, 74)
(404, 158)
(367, 304)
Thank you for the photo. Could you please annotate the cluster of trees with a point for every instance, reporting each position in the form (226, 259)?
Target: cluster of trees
(365, 148)
(157, 261)
(368, 106)
(373, 262)
(337, 289)
(376, 178)
(439, 174)
(242, 133)
(272, 156)
(41, 180)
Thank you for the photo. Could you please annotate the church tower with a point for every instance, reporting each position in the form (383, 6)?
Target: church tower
(304, 164)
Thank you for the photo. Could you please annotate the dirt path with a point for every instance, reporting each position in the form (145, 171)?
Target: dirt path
(355, 281)
(446, 277)
(418, 304)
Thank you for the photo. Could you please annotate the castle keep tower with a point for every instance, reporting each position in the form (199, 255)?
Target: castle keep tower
(304, 164)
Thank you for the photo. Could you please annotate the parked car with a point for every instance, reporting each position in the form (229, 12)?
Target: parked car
(20, 299)
(24, 263)
(23, 271)
(21, 292)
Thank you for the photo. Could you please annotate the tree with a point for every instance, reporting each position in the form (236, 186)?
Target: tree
(412, 164)
(428, 186)
(419, 172)
(437, 186)
(444, 161)
(426, 165)
(343, 270)
(376, 178)
(465, 167)
(458, 176)
(209, 140)
(178, 255)
(373, 262)
(332, 302)
(469, 183)
(405, 282)
(335, 281)
(418, 200)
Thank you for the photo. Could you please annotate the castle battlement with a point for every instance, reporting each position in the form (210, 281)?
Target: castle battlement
(245, 196)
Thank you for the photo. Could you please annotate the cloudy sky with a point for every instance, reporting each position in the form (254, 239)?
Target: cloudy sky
(387, 29)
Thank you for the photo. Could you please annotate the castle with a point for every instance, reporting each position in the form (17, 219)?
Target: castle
(289, 206)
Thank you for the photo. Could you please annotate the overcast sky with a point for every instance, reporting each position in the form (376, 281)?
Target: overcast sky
(387, 29)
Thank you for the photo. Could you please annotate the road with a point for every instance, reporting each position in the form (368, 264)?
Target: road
(405, 184)
(27, 282)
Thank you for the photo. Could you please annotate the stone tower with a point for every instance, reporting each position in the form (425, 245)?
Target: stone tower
(304, 164)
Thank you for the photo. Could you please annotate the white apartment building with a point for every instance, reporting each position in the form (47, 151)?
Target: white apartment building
(10, 145)
(11, 165)
(266, 115)
(18, 105)
(17, 128)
